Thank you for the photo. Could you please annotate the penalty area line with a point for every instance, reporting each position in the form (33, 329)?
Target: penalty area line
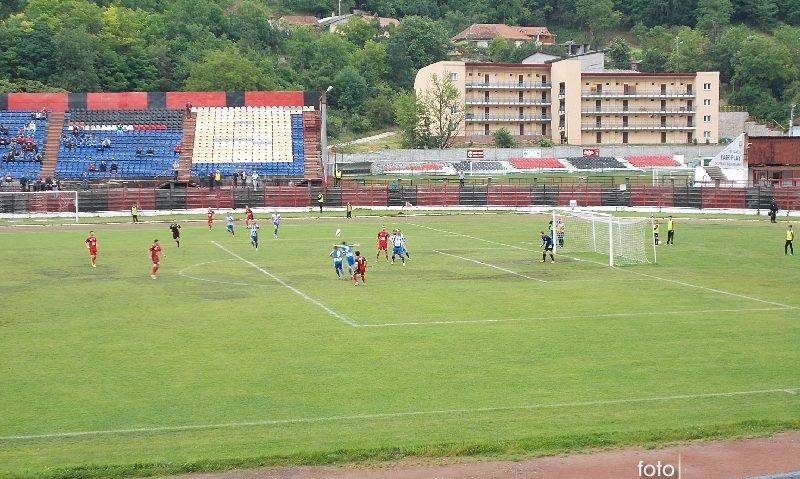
(296, 291)
(489, 266)
(391, 415)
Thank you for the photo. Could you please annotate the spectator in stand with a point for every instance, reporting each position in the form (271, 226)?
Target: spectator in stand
(210, 179)
(188, 109)
(8, 178)
(235, 179)
(43, 114)
(103, 166)
(85, 181)
(106, 144)
(255, 180)
(150, 151)
(23, 183)
(138, 152)
(120, 129)
(3, 130)
(32, 128)
(218, 178)
(177, 150)
(92, 168)
(114, 167)
(243, 176)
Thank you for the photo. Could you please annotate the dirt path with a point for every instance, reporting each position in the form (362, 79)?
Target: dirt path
(745, 458)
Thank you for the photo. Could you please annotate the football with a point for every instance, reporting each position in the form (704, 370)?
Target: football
(338, 232)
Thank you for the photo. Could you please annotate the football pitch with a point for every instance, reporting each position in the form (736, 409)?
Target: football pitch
(235, 357)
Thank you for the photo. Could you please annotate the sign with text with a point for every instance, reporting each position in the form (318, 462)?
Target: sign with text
(473, 154)
(532, 153)
(732, 156)
(591, 152)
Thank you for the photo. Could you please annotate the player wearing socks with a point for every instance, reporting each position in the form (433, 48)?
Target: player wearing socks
(176, 232)
(403, 239)
(547, 246)
(276, 222)
(397, 246)
(229, 224)
(383, 239)
(155, 250)
(338, 255)
(91, 244)
(248, 216)
(361, 268)
(210, 218)
(253, 227)
(347, 249)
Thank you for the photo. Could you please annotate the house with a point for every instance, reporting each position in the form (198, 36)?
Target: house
(481, 34)
(339, 20)
(300, 20)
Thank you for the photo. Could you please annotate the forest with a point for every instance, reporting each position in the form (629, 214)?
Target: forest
(168, 45)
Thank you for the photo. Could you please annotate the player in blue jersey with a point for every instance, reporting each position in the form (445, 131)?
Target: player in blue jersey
(229, 224)
(276, 222)
(398, 246)
(338, 255)
(547, 246)
(253, 227)
(347, 249)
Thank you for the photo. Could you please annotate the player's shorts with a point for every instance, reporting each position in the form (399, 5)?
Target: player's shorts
(253, 237)
(155, 259)
(337, 264)
(548, 248)
(397, 250)
(92, 251)
(176, 235)
(229, 227)
(382, 246)
(210, 221)
(351, 261)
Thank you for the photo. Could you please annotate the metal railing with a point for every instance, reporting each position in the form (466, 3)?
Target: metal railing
(511, 85)
(485, 118)
(637, 93)
(620, 110)
(637, 126)
(505, 101)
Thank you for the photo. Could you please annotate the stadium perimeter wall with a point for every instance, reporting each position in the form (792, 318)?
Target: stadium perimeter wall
(503, 154)
(393, 196)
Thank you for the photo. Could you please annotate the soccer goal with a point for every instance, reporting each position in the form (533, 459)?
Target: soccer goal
(623, 240)
(27, 203)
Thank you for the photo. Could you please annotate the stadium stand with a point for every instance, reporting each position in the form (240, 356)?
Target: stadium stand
(266, 140)
(119, 143)
(430, 167)
(21, 145)
(595, 163)
(652, 161)
(480, 166)
(536, 164)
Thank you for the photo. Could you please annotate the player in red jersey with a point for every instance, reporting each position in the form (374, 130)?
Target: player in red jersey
(383, 238)
(361, 268)
(91, 243)
(248, 215)
(210, 218)
(155, 249)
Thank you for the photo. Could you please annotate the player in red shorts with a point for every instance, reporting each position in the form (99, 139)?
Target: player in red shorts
(361, 268)
(383, 238)
(248, 215)
(210, 218)
(91, 243)
(155, 249)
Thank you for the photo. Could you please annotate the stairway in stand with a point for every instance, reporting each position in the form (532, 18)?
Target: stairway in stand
(52, 140)
(312, 169)
(187, 145)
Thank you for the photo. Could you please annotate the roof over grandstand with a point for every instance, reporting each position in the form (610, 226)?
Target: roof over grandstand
(773, 151)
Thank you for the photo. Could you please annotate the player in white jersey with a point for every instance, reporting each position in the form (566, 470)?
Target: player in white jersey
(276, 222)
(253, 227)
(397, 241)
(403, 238)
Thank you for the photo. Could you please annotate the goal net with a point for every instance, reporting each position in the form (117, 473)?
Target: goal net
(622, 240)
(50, 203)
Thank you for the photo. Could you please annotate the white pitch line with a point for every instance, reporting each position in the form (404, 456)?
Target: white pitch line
(186, 275)
(586, 316)
(391, 415)
(490, 266)
(296, 291)
(688, 285)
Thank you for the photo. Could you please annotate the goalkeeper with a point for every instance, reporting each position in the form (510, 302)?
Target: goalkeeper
(547, 246)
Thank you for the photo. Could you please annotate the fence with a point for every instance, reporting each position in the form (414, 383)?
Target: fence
(428, 195)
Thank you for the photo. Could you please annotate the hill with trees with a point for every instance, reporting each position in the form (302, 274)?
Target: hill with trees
(166, 45)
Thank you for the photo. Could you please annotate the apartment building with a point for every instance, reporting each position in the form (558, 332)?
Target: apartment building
(558, 101)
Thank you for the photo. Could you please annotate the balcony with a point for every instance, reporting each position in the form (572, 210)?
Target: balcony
(636, 126)
(508, 85)
(637, 94)
(611, 110)
(472, 118)
(506, 101)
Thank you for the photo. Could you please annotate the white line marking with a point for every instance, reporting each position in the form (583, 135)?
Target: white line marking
(186, 275)
(390, 415)
(490, 266)
(586, 316)
(296, 291)
(689, 285)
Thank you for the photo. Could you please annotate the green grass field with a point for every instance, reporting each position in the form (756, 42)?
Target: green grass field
(235, 357)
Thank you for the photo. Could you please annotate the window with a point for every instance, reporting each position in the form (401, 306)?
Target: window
(707, 86)
(486, 129)
(706, 134)
(624, 136)
(706, 102)
(663, 137)
(599, 137)
(453, 76)
(706, 118)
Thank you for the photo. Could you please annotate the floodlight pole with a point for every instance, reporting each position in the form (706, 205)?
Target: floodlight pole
(323, 108)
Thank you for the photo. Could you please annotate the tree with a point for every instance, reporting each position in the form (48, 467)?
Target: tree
(689, 51)
(417, 42)
(713, 16)
(407, 118)
(442, 111)
(249, 25)
(359, 31)
(502, 50)
(598, 17)
(762, 13)
(227, 70)
(76, 61)
(654, 60)
(618, 54)
(764, 64)
(503, 139)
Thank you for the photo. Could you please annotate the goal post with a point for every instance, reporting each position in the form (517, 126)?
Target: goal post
(624, 240)
(46, 203)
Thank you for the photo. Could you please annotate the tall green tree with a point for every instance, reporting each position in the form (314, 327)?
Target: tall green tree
(713, 16)
(417, 42)
(764, 64)
(597, 17)
(228, 70)
(618, 54)
(441, 110)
